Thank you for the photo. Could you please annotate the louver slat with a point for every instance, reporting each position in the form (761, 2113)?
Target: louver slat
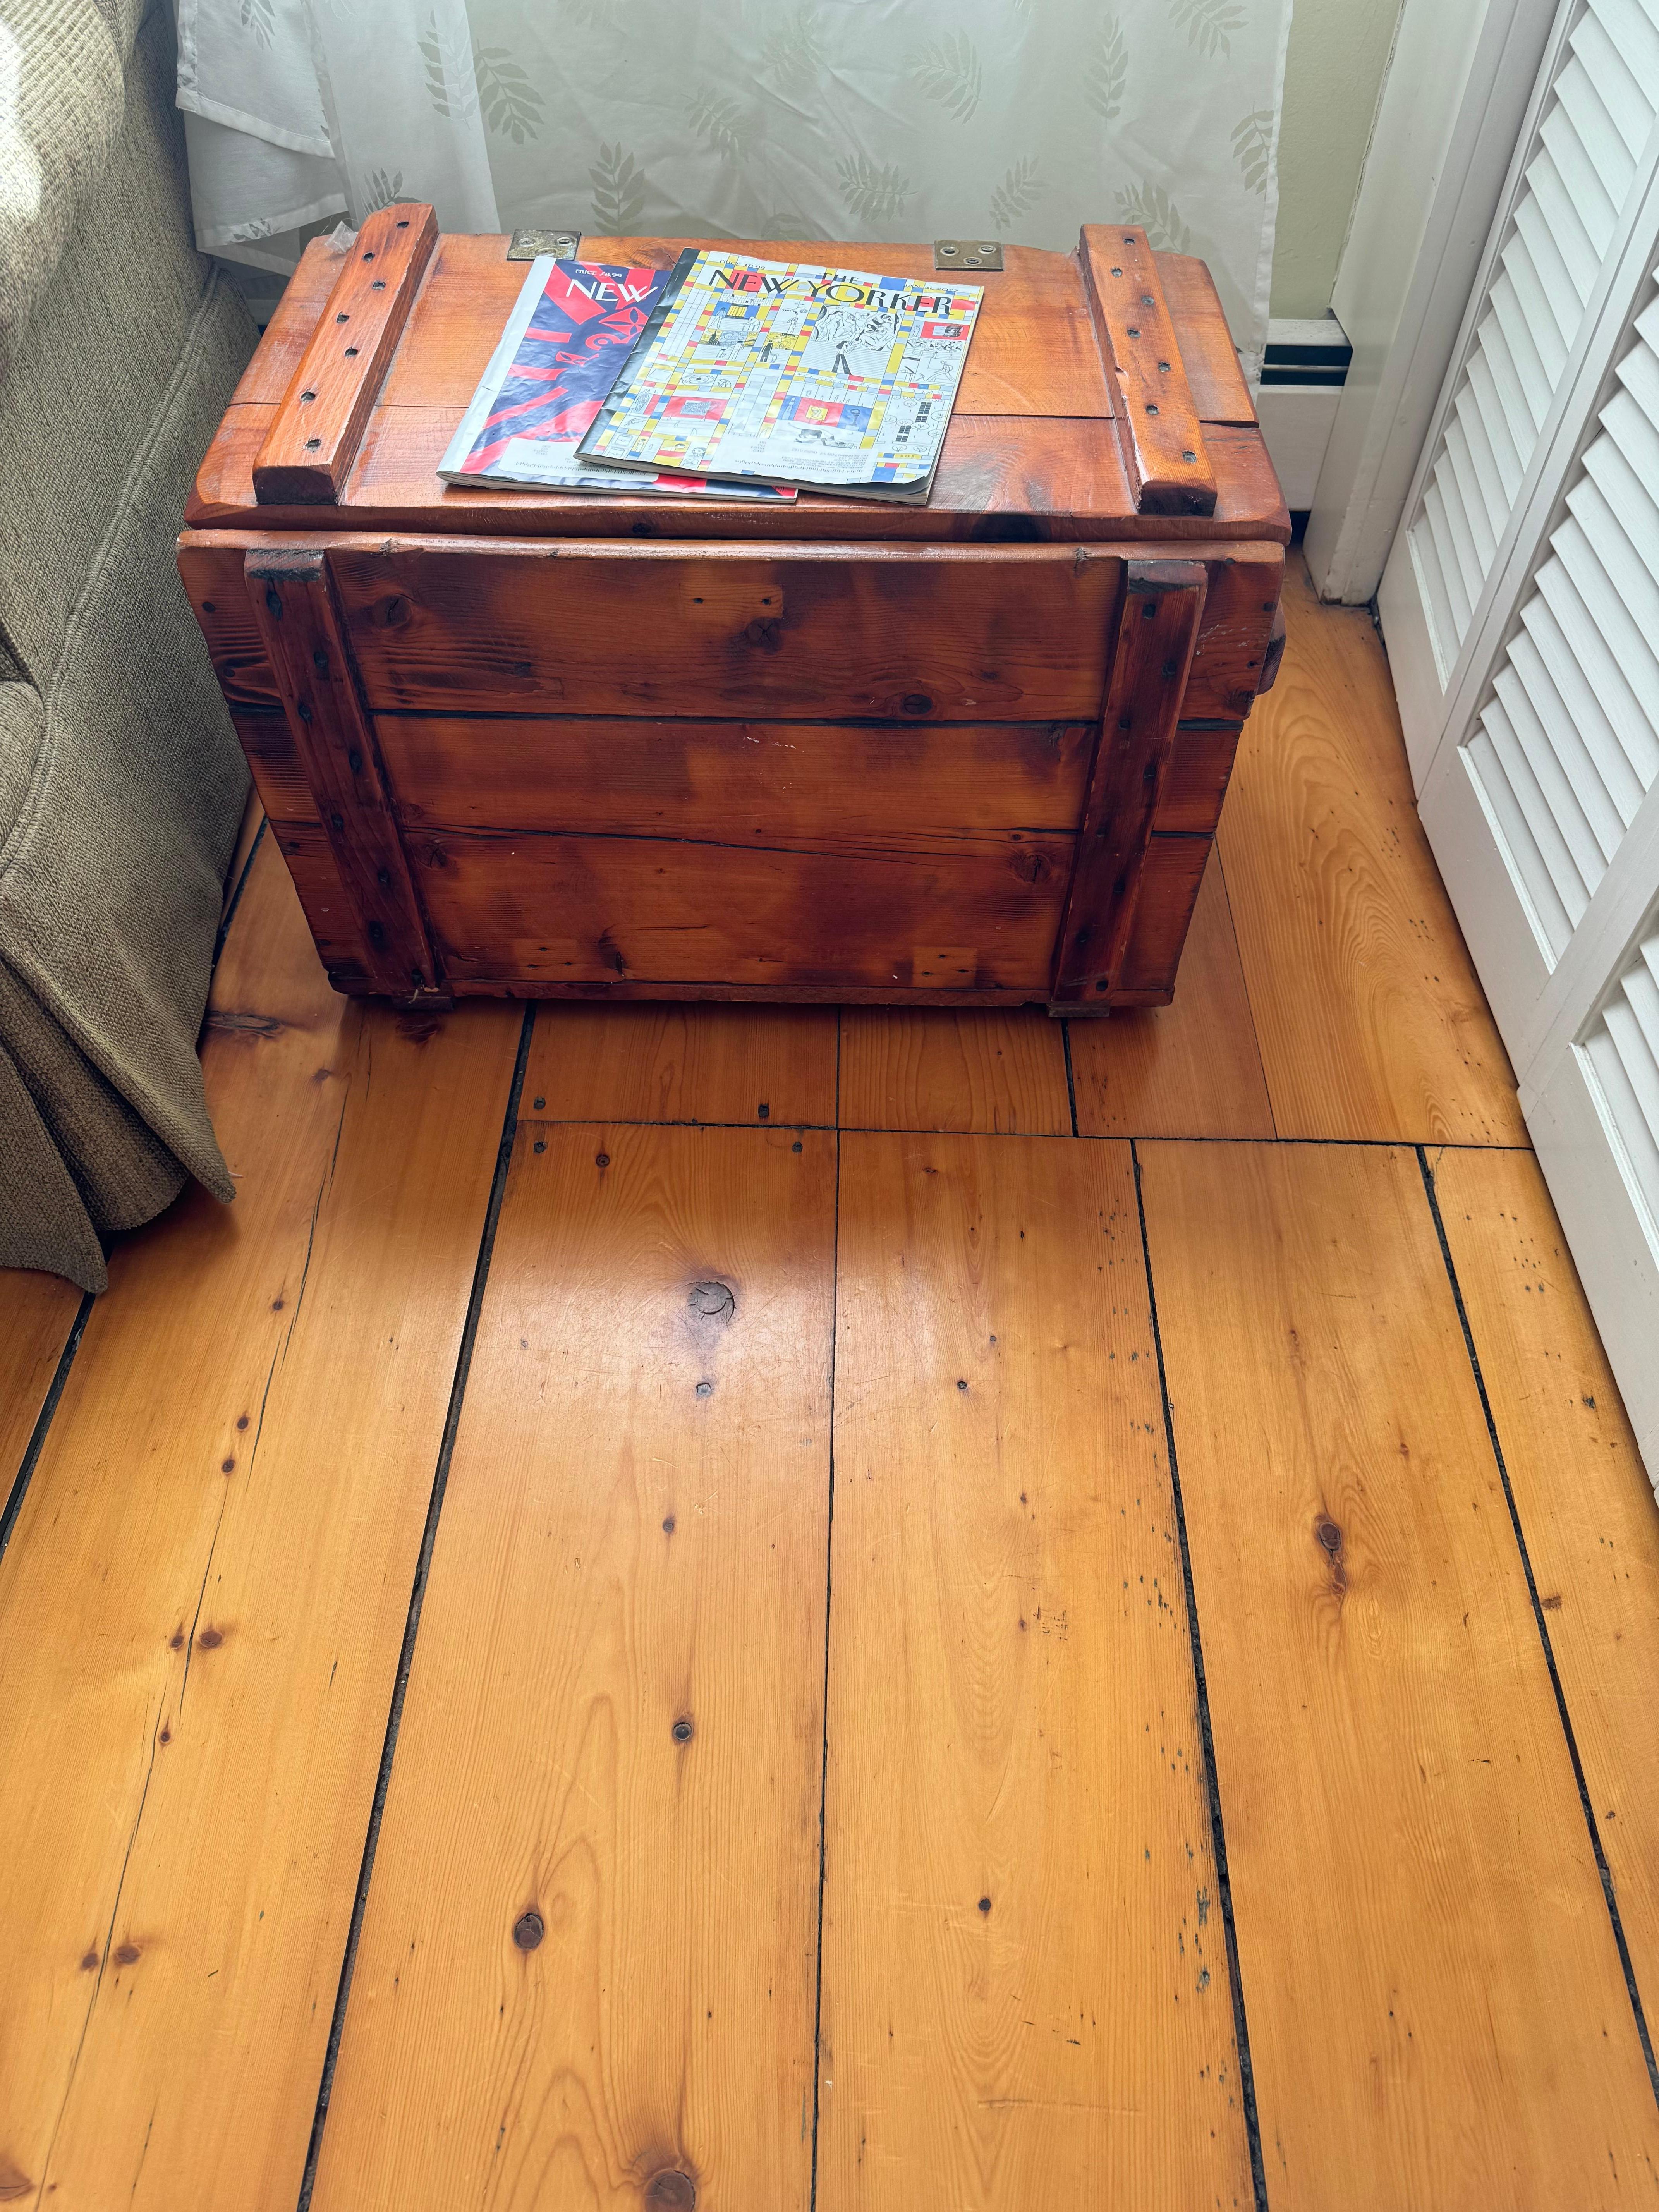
(1592, 650)
(1527, 863)
(1617, 786)
(1573, 731)
(1582, 169)
(1622, 1045)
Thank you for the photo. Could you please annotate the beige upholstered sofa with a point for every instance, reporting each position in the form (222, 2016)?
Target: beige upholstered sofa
(121, 783)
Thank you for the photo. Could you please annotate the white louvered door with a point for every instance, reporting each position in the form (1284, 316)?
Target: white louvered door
(1521, 609)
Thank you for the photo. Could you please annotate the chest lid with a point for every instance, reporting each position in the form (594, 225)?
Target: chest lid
(1102, 400)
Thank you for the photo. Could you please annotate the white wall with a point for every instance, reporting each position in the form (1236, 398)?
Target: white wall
(1334, 70)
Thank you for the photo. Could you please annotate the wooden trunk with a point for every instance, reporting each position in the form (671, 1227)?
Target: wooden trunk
(969, 753)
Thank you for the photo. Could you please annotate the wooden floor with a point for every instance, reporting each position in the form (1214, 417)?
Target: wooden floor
(748, 1608)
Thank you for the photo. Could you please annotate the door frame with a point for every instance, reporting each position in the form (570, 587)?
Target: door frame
(1455, 102)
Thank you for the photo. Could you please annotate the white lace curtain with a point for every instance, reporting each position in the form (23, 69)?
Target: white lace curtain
(871, 119)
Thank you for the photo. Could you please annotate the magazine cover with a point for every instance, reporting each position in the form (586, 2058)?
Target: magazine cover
(828, 379)
(571, 330)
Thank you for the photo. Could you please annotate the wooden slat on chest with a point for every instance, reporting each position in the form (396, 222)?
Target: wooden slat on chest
(738, 782)
(965, 912)
(939, 619)
(936, 634)
(1031, 479)
(1033, 349)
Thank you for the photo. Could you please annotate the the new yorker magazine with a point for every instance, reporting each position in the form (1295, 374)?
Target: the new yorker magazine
(781, 372)
(571, 330)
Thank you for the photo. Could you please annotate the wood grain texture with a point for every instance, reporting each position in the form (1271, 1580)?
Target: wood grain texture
(1170, 877)
(1157, 626)
(292, 319)
(312, 440)
(533, 671)
(1438, 2012)
(739, 783)
(1214, 376)
(756, 1064)
(975, 1072)
(37, 1312)
(330, 913)
(1033, 350)
(205, 1593)
(211, 569)
(1190, 1069)
(1025, 1998)
(1030, 450)
(1165, 454)
(298, 613)
(279, 778)
(853, 912)
(1000, 477)
(639, 1498)
(1370, 1020)
(1200, 766)
(1584, 1500)
(935, 634)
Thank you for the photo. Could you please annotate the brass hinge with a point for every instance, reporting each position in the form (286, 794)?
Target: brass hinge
(527, 244)
(967, 254)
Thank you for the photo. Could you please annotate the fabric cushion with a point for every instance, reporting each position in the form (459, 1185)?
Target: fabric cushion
(42, 1222)
(122, 1172)
(110, 878)
(61, 67)
(121, 781)
(101, 350)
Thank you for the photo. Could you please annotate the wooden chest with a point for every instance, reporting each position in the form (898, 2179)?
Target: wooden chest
(969, 753)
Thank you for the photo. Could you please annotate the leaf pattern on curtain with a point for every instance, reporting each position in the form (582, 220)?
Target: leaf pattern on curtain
(619, 191)
(721, 123)
(451, 84)
(1016, 195)
(1210, 24)
(909, 119)
(511, 103)
(258, 17)
(879, 120)
(795, 52)
(1157, 214)
(870, 192)
(950, 73)
(1252, 144)
(1106, 72)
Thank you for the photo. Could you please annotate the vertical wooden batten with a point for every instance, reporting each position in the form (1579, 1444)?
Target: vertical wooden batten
(1164, 450)
(1162, 606)
(294, 605)
(313, 438)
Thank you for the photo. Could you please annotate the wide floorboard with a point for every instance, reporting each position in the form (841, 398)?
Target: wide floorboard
(1026, 1995)
(1384, 1721)
(738, 1609)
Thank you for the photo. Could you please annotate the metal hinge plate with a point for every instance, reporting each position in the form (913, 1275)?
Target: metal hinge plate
(528, 244)
(967, 254)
